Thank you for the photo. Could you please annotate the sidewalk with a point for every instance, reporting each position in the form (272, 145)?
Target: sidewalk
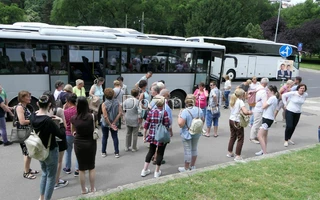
(212, 150)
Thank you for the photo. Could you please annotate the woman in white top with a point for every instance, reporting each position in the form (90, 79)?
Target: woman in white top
(96, 88)
(227, 90)
(252, 87)
(237, 132)
(267, 118)
(293, 110)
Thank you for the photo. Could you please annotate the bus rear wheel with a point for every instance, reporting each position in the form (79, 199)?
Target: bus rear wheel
(232, 74)
(177, 99)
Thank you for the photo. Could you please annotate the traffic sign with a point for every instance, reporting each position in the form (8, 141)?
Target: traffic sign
(285, 51)
(300, 46)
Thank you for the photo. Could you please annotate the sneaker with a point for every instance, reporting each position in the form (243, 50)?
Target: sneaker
(140, 134)
(67, 171)
(239, 159)
(291, 142)
(255, 141)
(134, 150)
(61, 184)
(7, 143)
(117, 155)
(260, 153)
(274, 121)
(183, 169)
(157, 174)
(192, 167)
(1, 142)
(285, 144)
(204, 131)
(145, 172)
(76, 173)
(126, 149)
(104, 155)
(230, 155)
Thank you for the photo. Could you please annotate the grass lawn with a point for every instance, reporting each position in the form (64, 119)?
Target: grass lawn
(291, 176)
(310, 66)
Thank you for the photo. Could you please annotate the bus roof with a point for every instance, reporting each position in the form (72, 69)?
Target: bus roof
(73, 34)
(240, 39)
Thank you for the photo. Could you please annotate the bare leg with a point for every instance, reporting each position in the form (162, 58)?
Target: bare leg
(208, 131)
(157, 168)
(41, 197)
(193, 160)
(27, 162)
(82, 176)
(275, 114)
(215, 130)
(262, 139)
(59, 166)
(146, 166)
(92, 178)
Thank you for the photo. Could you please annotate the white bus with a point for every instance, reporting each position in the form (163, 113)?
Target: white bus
(33, 59)
(253, 57)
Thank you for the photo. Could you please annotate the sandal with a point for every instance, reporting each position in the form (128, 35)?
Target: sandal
(33, 171)
(86, 192)
(28, 175)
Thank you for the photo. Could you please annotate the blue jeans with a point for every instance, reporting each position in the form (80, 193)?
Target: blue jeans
(226, 96)
(70, 141)
(251, 117)
(105, 136)
(3, 129)
(319, 134)
(49, 171)
(204, 111)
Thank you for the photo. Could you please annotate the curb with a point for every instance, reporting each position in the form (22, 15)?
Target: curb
(166, 178)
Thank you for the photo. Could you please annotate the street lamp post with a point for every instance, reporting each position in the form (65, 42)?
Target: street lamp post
(275, 35)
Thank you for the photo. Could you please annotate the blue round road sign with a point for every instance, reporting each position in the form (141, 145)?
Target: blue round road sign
(285, 51)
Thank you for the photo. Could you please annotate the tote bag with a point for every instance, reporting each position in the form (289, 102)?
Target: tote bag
(161, 131)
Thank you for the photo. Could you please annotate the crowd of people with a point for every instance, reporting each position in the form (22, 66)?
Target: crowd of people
(70, 116)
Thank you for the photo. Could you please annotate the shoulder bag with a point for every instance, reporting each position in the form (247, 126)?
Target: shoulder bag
(161, 131)
(95, 130)
(19, 135)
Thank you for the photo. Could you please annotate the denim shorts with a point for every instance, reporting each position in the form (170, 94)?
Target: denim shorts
(210, 118)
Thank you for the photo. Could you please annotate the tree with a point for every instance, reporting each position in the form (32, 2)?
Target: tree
(254, 31)
(10, 14)
(269, 27)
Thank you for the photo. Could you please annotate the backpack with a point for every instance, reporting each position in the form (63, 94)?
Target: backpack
(244, 119)
(59, 103)
(196, 124)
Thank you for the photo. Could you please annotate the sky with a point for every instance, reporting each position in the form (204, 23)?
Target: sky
(297, 1)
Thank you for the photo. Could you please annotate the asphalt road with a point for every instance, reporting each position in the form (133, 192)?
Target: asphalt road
(113, 172)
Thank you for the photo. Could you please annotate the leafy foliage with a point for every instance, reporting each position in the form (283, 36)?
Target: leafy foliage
(10, 13)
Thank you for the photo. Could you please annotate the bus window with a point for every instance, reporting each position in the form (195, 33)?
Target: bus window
(58, 59)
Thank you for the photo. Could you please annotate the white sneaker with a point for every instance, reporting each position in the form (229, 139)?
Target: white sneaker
(192, 167)
(285, 144)
(103, 155)
(157, 174)
(274, 121)
(145, 172)
(117, 155)
(204, 131)
(230, 155)
(239, 159)
(126, 149)
(255, 141)
(260, 153)
(291, 142)
(134, 150)
(183, 169)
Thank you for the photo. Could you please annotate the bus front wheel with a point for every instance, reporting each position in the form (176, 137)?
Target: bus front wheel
(232, 74)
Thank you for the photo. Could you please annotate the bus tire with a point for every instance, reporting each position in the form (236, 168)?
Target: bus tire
(232, 74)
(178, 98)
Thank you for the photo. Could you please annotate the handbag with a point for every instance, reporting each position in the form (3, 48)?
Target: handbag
(94, 103)
(96, 130)
(162, 134)
(35, 147)
(19, 135)
(244, 120)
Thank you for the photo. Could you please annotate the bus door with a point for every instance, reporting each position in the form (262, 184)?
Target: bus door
(85, 64)
(58, 59)
(251, 69)
(201, 67)
(114, 62)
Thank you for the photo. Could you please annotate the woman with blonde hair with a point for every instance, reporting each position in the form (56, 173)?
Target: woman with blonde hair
(284, 89)
(236, 131)
(190, 142)
(96, 94)
(22, 121)
(79, 88)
